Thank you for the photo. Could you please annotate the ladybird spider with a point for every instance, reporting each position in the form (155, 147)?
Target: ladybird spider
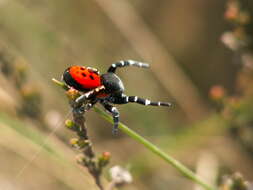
(107, 89)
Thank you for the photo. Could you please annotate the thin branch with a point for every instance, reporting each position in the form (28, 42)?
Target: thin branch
(173, 162)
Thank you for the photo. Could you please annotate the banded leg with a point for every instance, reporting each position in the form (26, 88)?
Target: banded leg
(115, 114)
(88, 95)
(135, 99)
(91, 104)
(114, 66)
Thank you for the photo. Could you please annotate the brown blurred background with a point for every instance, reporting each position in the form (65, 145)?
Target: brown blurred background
(181, 41)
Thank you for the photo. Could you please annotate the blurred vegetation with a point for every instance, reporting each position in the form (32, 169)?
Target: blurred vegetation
(201, 60)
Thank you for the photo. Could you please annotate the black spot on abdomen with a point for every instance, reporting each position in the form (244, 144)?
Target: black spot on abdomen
(84, 75)
(91, 77)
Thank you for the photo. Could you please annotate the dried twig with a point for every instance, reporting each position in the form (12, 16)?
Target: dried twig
(83, 143)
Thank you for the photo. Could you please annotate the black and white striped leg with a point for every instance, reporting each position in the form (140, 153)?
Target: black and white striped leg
(146, 102)
(135, 99)
(115, 114)
(81, 99)
(126, 63)
(90, 104)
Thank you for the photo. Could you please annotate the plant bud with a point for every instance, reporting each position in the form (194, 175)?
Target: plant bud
(72, 94)
(103, 160)
(80, 159)
(74, 141)
(69, 124)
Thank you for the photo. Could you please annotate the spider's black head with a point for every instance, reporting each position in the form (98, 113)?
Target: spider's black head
(112, 83)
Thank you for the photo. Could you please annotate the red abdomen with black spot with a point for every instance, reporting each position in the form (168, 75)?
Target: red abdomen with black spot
(82, 78)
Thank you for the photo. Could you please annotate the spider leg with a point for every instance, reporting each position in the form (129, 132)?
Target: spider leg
(114, 66)
(123, 99)
(147, 102)
(88, 94)
(115, 114)
(91, 104)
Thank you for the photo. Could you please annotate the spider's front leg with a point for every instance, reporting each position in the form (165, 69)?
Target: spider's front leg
(81, 99)
(115, 114)
(125, 63)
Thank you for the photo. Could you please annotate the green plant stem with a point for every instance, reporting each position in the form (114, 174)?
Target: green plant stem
(176, 164)
(61, 84)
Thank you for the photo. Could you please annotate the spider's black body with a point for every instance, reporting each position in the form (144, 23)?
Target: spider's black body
(112, 83)
(107, 89)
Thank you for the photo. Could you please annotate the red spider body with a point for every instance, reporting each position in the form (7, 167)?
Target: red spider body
(82, 78)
